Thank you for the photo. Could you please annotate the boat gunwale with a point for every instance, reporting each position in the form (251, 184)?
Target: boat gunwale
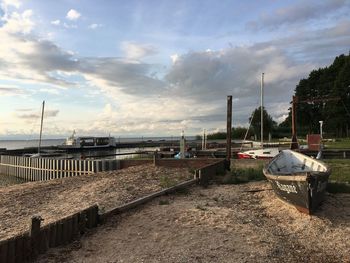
(303, 176)
(297, 176)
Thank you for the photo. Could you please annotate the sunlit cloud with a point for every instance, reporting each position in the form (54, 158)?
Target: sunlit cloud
(73, 15)
(56, 22)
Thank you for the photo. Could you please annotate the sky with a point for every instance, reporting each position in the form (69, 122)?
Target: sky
(155, 68)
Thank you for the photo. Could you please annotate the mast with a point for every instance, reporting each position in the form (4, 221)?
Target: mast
(228, 133)
(41, 126)
(262, 111)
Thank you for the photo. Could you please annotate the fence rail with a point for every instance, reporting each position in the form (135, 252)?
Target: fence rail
(41, 169)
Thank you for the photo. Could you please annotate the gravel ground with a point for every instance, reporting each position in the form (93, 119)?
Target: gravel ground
(224, 223)
(59, 198)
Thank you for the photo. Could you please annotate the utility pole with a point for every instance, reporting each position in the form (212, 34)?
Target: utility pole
(294, 145)
(41, 126)
(262, 111)
(228, 133)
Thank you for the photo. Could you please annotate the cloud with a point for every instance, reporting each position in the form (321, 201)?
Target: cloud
(137, 51)
(192, 93)
(300, 12)
(69, 25)
(24, 110)
(56, 22)
(7, 90)
(73, 15)
(34, 116)
(94, 26)
(7, 3)
(18, 22)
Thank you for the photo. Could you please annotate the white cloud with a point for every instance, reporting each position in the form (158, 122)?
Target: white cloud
(56, 22)
(94, 26)
(73, 15)
(174, 58)
(137, 51)
(18, 22)
(50, 91)
(69, 25)
(7, 3)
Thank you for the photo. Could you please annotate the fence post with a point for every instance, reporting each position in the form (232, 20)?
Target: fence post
(34, 233)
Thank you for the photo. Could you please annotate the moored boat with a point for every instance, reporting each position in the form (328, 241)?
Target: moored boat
(73, 142)
(298, 179)
(266, 153)
(263, 153)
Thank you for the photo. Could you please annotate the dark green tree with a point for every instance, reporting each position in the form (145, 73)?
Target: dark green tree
(268, 123)
(328, 82)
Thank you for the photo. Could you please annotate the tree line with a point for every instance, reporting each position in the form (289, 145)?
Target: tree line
(328, 87)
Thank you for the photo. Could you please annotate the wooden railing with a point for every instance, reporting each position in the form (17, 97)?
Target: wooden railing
(41, 169)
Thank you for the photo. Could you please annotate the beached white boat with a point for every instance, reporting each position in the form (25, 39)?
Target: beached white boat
(298, 179)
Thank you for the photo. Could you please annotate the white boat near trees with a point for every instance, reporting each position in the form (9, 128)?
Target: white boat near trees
(262, 153)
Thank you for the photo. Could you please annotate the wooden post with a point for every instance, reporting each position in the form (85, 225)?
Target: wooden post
(155, 158)
(19, 249)
(228, 134)
(294, 144)
(11, 251)
(3, 250)
(53, 231)
(34, 233)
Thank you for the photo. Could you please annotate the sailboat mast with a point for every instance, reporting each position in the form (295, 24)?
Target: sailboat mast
(41, 125)
(262, 111)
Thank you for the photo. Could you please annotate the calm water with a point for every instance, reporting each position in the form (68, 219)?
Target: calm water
(20, 144)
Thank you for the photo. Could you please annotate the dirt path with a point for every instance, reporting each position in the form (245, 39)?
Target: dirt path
(218, 224)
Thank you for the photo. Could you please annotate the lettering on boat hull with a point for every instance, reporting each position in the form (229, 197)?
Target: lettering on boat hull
(286, 187)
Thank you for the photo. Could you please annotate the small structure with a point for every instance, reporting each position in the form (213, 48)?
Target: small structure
(313, 142)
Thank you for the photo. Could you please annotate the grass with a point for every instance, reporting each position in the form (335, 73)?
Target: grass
(340, 169)
(243, 175)
(335, 187)
(343, 143)
(166, 182)
(164, 202)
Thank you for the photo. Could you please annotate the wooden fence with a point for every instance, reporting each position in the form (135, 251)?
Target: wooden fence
(41, 169)
(26, 247)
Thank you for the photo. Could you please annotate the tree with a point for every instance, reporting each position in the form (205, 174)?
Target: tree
(268, 123)
(328, 82)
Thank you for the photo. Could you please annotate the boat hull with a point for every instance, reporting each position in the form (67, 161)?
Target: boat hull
(268, 153)
(305, 192)
(298, 179)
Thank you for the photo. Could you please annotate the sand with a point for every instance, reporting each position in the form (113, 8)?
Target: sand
(56, 199)
(221, 223)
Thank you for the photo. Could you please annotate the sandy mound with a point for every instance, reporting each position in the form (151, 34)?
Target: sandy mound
(59, 198)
